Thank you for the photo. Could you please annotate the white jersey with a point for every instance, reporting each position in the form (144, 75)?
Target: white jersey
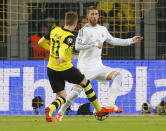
(87, 43)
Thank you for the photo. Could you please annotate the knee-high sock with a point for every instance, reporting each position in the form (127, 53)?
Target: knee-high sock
(70, 98)
(115, 88)
(56, 104)
(92, 96)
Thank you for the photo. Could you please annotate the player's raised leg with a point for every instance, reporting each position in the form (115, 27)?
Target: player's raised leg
(76, 91)
(114, 90)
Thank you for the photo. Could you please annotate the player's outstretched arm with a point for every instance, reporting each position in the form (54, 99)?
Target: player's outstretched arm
(44, 43)
(84, 44)
(121, 42)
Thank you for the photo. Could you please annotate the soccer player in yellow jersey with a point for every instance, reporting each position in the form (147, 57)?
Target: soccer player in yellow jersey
(60, 67)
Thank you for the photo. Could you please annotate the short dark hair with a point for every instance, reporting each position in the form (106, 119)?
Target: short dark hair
(70, 18)
(91, 8)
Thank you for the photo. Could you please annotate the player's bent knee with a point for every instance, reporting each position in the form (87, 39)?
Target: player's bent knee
(77, 89)
(83, 85)
(77, 86)
(83, 82)
(109, 77)
(62, 94)
(117, 75)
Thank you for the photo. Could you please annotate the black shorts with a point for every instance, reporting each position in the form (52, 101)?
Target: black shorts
(57, 78)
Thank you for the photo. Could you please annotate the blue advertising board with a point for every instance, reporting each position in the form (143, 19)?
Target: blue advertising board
(22, 80)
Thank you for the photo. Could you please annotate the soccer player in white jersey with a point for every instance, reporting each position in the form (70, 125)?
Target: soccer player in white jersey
(89, 42)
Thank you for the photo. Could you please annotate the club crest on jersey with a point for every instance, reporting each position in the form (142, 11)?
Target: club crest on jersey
(70, 40)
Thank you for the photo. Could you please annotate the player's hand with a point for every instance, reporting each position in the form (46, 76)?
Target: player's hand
(60, 60)
(137, 39)
(100, 45)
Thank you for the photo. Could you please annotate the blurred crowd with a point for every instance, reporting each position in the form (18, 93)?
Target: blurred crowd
(111, 15)
(38, 53)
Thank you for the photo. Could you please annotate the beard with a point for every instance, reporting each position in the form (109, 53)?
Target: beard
(93, 22)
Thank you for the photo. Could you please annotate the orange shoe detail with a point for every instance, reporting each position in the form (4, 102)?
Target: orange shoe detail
(103, 112)
(109, 109)
(117, 109)
(48, 118)
(58, 117)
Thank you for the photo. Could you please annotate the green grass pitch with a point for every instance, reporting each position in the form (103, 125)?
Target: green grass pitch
(83, 123)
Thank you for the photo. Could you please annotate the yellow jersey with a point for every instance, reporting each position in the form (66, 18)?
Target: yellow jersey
(61, 44)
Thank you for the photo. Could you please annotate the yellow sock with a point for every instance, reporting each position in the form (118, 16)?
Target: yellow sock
(56, 104)
(52, 108)
(96, 105)
(92, 96)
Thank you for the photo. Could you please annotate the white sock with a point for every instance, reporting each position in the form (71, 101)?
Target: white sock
(115, 88)
(69, 99)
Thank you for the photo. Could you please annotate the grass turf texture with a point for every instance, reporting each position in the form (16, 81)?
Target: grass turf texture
(83, 123)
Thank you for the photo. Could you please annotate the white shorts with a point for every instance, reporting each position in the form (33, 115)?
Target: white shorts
(98, 73)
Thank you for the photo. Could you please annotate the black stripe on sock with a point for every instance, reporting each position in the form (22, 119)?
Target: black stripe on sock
(63, 99)
(56, 104)
(83, 86)
(88, 92)
(59, 102)
(92, 98)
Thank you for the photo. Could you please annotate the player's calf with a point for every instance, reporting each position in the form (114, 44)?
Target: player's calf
(91, 94)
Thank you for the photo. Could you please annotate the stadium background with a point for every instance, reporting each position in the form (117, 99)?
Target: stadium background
(23, 63)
